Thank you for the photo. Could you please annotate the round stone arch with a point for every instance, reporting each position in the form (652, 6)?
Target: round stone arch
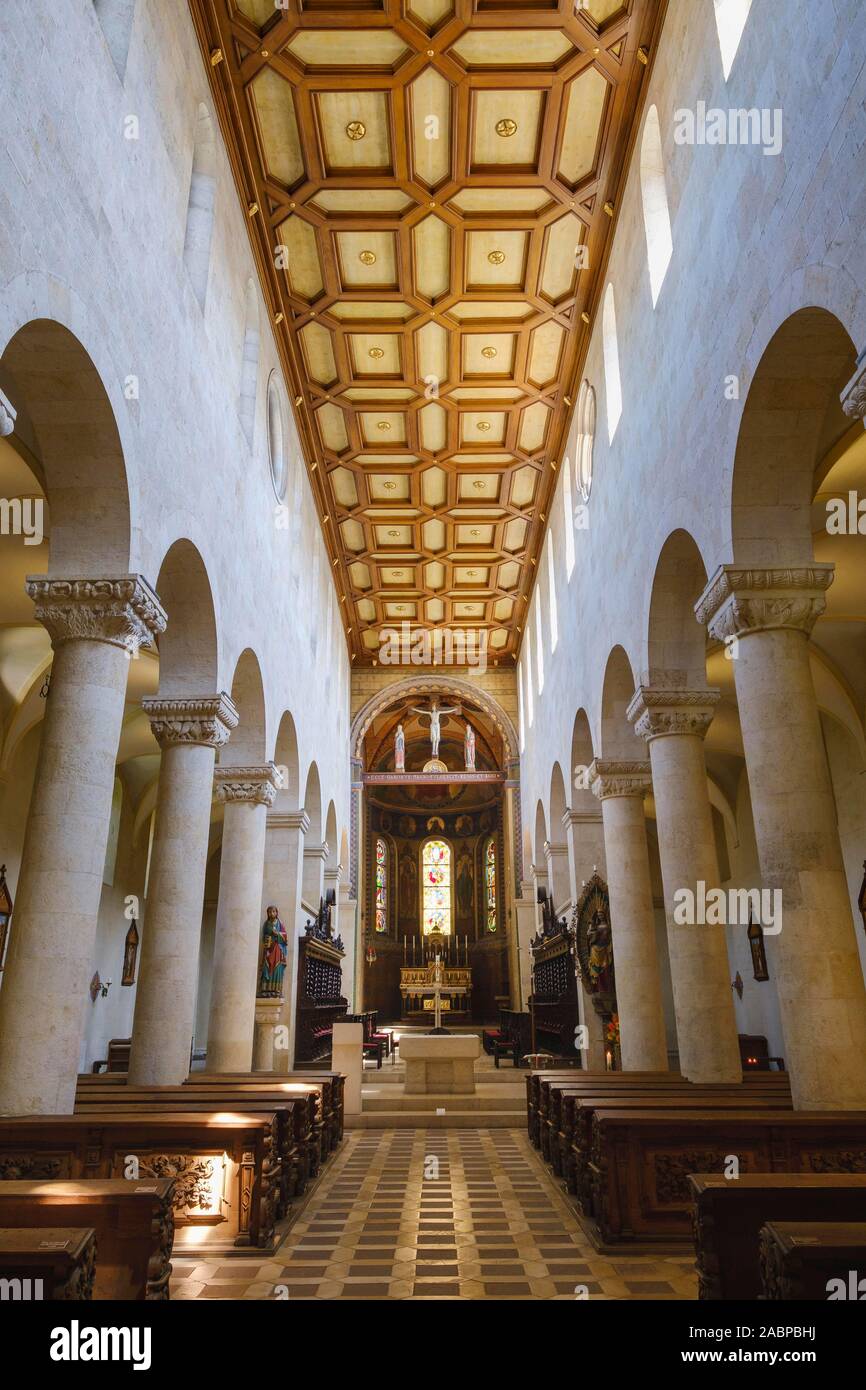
(434, 685)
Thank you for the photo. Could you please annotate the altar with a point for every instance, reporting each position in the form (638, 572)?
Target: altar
(417, 994)
(440, 1064)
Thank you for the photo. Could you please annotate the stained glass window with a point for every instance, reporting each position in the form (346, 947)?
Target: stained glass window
(381, 886)
(490, 882)
(436, 880)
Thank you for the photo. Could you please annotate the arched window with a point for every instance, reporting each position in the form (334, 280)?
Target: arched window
(490, 883)
(436, 910)
(200, 210)
(249, 364)
(612, 383)
(568, 516)
(276, 439)
(584, 440)
(539, 646)
(551, 595)
(731, 16)
(527, 670)
(381, 886)
(656, 216)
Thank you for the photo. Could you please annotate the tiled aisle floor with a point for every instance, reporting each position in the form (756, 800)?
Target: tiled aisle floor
(437, 1214)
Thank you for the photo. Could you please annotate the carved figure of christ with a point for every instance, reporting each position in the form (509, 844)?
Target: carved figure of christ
(434, 714)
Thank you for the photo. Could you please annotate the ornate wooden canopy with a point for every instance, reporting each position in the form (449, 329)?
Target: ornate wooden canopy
(431, 186)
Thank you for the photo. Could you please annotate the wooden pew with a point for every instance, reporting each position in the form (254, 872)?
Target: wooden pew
(133, 1222)
(533, 1087)
(54, 1264)
(330, 1086)
(587, 1107)
(813, 1260)
(556, 1127)
(295, 1118)
(226, 1165)
(640, 1159)
(727, 1216)
(557, 1130)
(552, 1089)
(539, 1085)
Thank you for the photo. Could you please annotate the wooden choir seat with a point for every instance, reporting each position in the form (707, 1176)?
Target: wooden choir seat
(50, 1263)
(727, 1218)
(226, 1164)
(132, 1221)
(511, 1039)
(814, 1260)
(118, 1057)
(373, 1043)
(755, 1053)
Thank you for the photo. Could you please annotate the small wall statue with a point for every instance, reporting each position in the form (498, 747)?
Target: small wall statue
(275, 948)
(469, 748)
(399, 750)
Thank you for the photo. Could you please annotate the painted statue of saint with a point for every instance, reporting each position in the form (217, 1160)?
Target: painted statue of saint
(469, 748)
(600, 954)
(400, 749)
(275, 948)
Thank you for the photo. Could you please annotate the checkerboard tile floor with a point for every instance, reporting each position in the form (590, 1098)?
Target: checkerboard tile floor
(427, 1214)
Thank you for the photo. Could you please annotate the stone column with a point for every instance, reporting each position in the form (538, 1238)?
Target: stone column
(348, 930)
(526, 924)
(95, 626)
(674, 722)
(331, 883)
(313, 883)
(188, 731)
(284, 840)
(558, 878)
(621, 787)
(764, 616)
(584, 834)
(247, 793)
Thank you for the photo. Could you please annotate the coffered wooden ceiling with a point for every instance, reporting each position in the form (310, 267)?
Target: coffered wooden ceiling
(419, 178)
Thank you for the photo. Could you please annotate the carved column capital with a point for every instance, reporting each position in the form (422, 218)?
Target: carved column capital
(257, 785)
(122, 610)
(742, 599)
(659, 713)
(853, 397)
(8, 416)
(207, 721)
(611, 777)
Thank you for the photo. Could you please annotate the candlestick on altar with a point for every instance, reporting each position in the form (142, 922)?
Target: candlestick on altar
(404, 950)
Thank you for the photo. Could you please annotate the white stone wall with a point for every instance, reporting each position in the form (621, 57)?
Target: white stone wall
(755, 237)
(92, 228)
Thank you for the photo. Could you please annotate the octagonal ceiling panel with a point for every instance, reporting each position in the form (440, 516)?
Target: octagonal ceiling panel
(424, 180)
